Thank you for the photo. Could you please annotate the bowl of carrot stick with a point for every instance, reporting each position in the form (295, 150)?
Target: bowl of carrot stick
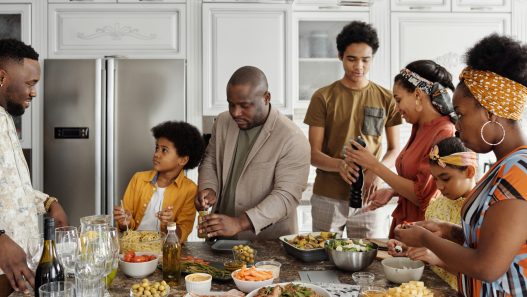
(249, 279)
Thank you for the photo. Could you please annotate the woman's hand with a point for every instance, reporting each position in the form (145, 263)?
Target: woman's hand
(371, 183)
(393, 250)
(424, 255)
(378, 199)
(360, 156)
(411, 234)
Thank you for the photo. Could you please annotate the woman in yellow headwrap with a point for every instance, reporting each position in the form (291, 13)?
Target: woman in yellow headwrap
(490, 248)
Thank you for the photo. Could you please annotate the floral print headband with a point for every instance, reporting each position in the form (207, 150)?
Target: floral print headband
(499, 95)
(417, 81)
(457, 159)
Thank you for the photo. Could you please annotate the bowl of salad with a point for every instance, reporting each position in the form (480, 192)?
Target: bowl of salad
(351, 254)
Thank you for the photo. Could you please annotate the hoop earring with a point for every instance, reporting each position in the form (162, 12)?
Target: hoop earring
(502, 129)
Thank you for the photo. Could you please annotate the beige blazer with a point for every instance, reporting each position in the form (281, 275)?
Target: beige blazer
(273, 178)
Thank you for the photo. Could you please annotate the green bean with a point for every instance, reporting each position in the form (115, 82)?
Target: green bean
(198, 267)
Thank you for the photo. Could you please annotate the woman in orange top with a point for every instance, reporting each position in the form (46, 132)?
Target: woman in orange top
(156, 197)
(421, 97)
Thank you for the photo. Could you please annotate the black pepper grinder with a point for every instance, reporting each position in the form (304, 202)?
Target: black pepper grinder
(356, 187)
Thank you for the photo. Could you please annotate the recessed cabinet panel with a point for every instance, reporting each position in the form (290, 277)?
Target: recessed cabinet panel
(236, 35)
(133, 30)
(420, 5)
(82, 1)
(482, 5)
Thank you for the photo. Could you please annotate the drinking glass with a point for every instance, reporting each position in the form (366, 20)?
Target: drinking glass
(57, 289)
(66, 239)
(34, 248)
(91, 263)
(113, 236)
(92, 223)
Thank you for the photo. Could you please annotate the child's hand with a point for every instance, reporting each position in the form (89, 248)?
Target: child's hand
(396, 248)
(122, 216)
(166, 215)
(425, 255)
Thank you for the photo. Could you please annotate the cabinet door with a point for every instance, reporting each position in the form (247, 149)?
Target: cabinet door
(315, 57)
(15, 22)
(236, 35)
(481, 5)
(442, 37)
(132, 30)
(152, 1)
(420, 5)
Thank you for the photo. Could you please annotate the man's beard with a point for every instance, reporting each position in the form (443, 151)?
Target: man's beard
(15, 109)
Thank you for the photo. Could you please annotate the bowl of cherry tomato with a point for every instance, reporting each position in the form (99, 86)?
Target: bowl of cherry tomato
(138, 264)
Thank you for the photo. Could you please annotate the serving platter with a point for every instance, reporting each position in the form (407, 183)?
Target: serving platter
(306, 255)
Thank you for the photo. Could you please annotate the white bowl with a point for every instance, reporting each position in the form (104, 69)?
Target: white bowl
(320, 291)
(248, 286)
(402, 269)
(198, 286)
(138, 270)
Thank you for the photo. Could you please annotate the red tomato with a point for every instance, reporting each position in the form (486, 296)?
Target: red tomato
(129, 256)
(139, 259)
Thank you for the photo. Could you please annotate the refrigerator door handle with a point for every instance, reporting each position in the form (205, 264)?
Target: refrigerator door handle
(99, 136)
(110, 137)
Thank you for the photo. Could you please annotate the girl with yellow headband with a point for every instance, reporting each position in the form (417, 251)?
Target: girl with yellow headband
(453, 168)
(489, 250)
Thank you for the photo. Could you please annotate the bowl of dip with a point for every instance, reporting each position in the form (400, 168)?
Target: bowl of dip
(274, 266)
(199, 283)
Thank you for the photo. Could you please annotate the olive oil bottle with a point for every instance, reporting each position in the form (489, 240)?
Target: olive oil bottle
(171, 257)
(49, 268)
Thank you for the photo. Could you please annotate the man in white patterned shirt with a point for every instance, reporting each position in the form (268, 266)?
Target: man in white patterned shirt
(20, 204)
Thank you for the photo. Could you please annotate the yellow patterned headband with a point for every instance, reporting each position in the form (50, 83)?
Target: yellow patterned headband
(499, 95)
(457, 159)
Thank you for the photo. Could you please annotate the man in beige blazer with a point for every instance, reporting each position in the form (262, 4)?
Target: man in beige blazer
(255, 167)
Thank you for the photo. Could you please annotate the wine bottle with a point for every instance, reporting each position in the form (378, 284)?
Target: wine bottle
(171, 257)
(355, 198)
(49, 268)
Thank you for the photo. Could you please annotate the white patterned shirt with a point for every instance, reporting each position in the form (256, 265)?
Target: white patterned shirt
(20, 204)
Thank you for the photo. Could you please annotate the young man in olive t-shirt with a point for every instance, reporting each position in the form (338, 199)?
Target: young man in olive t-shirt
(350, 107)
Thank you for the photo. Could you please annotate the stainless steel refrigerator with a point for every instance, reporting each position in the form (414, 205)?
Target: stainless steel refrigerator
(97, 120)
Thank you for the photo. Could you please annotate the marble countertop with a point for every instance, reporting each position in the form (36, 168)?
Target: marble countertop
(267, 250)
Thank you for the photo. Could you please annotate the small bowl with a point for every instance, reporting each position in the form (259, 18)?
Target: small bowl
(198, 283)
(232, 265)
(372, 291)
(138, 270)
(402, 269)
(248, 286)
(274, 266)
(239, 256)
(363, 278)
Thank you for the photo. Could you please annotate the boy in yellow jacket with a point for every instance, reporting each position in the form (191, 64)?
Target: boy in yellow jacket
(164, 194)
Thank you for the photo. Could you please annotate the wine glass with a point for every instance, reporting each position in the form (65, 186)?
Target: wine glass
(34, 248)
(91, 263)
(113, 237)
(66, 241)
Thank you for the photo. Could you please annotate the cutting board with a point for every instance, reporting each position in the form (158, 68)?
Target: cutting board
(382, 253)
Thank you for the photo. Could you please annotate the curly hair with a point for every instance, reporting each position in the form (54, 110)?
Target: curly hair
(186, 139)
(357, 32)
(500, 54)
(449, 146)
(15, 50)
(427, 69)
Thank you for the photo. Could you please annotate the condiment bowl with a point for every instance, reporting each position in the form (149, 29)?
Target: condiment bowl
(402, 269)
(199, 283)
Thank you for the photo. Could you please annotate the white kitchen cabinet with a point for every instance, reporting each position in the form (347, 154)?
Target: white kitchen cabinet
(420, 5)
(239, 34)
(444, 38)
(82, 1)
(132, 30)
(481, 5)
(315, 56)
(15, 22)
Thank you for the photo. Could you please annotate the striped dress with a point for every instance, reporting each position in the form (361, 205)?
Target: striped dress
(505, 180)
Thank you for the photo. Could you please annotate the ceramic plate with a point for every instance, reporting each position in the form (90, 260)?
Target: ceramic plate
(320, 291)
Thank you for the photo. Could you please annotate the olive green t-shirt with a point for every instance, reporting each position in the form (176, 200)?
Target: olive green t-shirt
(345, 114)
(244, 144)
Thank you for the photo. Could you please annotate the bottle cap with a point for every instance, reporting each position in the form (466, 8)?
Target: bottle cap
(172, 226)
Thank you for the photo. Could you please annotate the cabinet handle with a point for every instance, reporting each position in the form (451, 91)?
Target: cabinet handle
(420, 7)
(480, 8)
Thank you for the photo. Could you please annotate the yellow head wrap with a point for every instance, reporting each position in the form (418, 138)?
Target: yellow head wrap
(499, 95)
(457, 159)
